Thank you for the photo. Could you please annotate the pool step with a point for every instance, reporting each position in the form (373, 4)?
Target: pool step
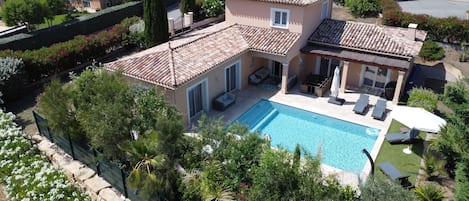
(265, 120)
(256, 114)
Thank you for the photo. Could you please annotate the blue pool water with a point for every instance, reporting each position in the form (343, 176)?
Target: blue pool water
(340, 142)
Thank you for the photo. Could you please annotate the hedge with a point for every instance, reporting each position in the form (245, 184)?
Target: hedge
(61, 56)
(83, 25)
(449, 29)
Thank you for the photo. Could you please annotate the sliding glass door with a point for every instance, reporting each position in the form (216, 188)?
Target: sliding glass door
(195, 100)
(375, 77)
(232, 77)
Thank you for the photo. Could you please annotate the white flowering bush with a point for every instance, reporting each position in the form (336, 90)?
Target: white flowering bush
(25, 173)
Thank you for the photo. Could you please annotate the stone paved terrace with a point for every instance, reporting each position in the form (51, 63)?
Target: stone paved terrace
(252, 94)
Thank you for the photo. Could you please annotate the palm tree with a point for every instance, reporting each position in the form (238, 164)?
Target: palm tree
(429, 193)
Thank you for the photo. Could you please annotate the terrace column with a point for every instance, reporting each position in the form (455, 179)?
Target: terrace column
(397, 92)
(284, 77)
(343, 81)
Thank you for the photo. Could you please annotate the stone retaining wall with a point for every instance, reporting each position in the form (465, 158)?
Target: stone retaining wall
(77, 172)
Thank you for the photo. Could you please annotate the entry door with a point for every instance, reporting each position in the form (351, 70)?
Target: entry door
(277, 69)
(327, 66)
(375, 77)
(232, 77)
(195, 100)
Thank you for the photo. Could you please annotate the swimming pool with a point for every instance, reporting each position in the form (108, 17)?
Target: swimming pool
(340, 142)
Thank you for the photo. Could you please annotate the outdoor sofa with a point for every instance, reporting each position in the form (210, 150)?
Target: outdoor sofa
(259, 75)
(223, 101)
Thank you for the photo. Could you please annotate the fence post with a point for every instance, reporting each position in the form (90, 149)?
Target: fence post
(98, 170)
(123, 182)
(71, 145)
(35, 114)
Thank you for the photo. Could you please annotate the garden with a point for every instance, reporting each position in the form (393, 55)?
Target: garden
(26, 174)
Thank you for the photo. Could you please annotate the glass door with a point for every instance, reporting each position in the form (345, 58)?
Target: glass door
(231, 78)
(195, 99)
(375, 77)
(277, 69)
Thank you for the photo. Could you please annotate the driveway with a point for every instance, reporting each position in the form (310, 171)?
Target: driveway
(173, 12)
(437, 8)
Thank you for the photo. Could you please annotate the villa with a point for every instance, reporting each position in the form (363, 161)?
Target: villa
(293, 39)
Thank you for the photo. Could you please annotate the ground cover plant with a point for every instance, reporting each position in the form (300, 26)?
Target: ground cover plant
(27, 175)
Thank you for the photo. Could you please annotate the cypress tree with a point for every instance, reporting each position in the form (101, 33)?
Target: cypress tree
(156, 22)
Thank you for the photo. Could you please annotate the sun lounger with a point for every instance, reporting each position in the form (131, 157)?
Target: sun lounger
(361, 104)
(379, 110)
(408, 136)
(393, 173)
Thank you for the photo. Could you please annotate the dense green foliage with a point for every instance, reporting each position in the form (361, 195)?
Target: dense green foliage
(187, 6)
(431, 51)
(432, 165)
(61, 56)
(156, 22)
(453, 142)
(429, 193)
(424, 98)
(123, 122)
(23, 12)
(462, 180)
(26, 174)
(213, 8)
(363, 8)
(384, 190)
(449, 29)
(10, 77)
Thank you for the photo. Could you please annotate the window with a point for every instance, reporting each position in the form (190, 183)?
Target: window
(279, 17)
(86, 3)
(325, 9)
(375, 77)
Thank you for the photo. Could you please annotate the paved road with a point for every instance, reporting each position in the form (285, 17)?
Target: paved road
(437, 8)
(175, 13)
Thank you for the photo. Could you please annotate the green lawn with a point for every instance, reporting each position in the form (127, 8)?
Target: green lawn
(59, 19)
(407, 164)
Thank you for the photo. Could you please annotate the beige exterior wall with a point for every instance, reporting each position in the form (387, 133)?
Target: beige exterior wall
(215, 83)
(353, 75)
(97, 4)
(309, 66)
(257, 14)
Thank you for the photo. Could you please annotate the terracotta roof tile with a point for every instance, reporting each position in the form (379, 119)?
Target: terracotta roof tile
(291, 2)
(367, 37)
(172, 64)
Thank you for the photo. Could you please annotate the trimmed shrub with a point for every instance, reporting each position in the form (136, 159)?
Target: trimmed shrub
(61, 56)
(424, 98)
(449, 29)
(431, 51)
(363, 8)
(456, 96)
(10, 77)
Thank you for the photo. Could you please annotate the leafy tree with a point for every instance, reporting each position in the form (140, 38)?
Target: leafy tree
(384, 190)
(297, 156)
(429, 192)
(151, 106)
(11, 70)
(424, 98)
(213, 8)
(187, 6)
(23, 12)
(52, 8)
(156, 22)
(433, 166)
(431, 51)
(363, 8)
(54, 104)
(456, 95)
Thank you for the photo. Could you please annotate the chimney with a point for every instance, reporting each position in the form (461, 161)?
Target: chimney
(188, 19)
(171, 26)
(411, 31)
